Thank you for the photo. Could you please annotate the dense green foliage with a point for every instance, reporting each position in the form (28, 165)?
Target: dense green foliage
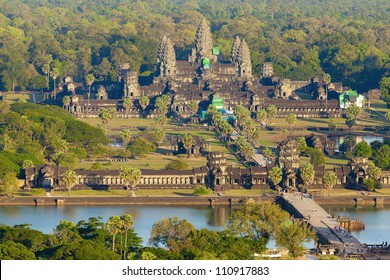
(177, 164)
(363, 149)
(38, 133)
(140, 147)
(349, 40)
(86, 240)
(202, 190)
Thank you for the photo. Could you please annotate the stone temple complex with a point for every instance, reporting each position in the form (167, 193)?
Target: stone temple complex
(203, 77)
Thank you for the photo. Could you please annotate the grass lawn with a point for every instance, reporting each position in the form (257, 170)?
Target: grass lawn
(155, 193)
(121, 193)
(119, 122)
(14, 97)
(153, 161)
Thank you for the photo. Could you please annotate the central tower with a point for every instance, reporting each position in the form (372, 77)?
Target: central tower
(203, 43)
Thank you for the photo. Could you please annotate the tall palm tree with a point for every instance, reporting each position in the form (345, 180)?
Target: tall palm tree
(188, 142)
(113, 226)
(66, 101)
(54, 74)
(89, 79)
(130, 177)
(127, 223)
(127, 103)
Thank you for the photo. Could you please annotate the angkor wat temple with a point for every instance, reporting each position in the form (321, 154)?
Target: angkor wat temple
(204, 76)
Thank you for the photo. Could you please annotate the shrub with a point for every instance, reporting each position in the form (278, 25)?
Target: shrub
(202, 190)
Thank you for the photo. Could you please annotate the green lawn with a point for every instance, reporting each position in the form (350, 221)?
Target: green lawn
(119, 122)
(11, 98)
(153, 161)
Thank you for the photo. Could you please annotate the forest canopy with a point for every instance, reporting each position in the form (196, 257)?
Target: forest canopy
(350, 40)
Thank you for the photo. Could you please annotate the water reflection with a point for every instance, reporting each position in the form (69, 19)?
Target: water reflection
(46, 218)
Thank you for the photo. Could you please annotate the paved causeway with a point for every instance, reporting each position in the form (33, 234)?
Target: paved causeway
(327, 228)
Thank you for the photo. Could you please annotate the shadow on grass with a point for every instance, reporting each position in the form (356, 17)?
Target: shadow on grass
(183, 194)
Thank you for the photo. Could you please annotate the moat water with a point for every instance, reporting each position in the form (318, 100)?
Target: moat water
(45, 218)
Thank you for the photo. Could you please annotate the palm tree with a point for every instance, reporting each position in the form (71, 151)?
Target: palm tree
(125, 136)
(130, 177)
(89, 79)
(127, 103)
(291, 120)
(144, 102)
(54, 74)
(66, 101)
(127, 223)
(329, 179)
(70, 179)
(188, 142)
(113, 226)
(106, 115)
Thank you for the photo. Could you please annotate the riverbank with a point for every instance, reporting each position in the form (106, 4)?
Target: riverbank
(185, 200)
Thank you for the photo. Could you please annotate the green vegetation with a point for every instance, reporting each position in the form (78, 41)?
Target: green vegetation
(202, 190)
(30, 132)
(177, 164)
(47, 40)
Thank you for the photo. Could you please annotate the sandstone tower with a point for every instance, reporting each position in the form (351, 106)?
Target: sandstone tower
(235, 50)
(203, 43)
(244, 61)
(166, 58)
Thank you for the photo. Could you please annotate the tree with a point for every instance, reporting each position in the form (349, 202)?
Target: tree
(291, 235)
(162, 120)
(114, 225)
(384, 86)
(172, 233)
(261, 117)
(256, 222)
(352, 113)
(69, 178)
(89, 79)
(159, 135)
(382, 158)
(66, 101)
(127, 224)
(54, 74)
(267, 152)
(177, 164)
(271, 112)
(329, 179)
(193, 107)
(125, 136)
(306, 172)
(374, 174)
(317, 157)
(139, 147)
(127, 104)
(301, 141)
(275, 176)
(187, 142)
(162, 103)
(363, 149)
(130, 177)
(106, 115)
(291, 120)
(8, 184)
(144, 102)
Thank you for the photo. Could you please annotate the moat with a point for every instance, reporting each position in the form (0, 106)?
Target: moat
(45, 218)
